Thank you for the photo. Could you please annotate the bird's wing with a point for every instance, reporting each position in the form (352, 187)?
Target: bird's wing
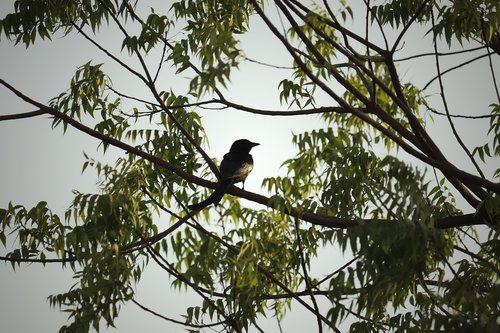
(243, 170)
(235, 168)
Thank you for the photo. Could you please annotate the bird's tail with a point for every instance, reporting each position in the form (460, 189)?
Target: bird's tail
(215, 197)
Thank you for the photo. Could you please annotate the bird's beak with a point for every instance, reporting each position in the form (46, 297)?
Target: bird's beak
(255, 144)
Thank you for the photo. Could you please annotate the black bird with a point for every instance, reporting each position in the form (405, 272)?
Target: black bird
(234, 168)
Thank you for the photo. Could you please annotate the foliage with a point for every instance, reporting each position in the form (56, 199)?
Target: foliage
(347, 189)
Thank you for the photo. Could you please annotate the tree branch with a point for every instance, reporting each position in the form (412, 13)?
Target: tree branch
(452, 69)
(426, 143)
(318, 110)
(445, 104)
(439, 54)
(38, 261)
(306, 278)
(164, 264)
(22, 115)
(150, 83)
(268, 275)
(445, 166)
(408, 24)
(335, 24)
(176, 321)
(318, 219)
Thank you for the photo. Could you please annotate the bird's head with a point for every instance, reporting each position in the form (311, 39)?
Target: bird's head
(243, 145)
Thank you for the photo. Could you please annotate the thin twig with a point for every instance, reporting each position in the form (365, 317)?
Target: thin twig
(175, 321)
(492, 71)
(478, 258)
(329, 276)
(306, 276)
(432, 296)
(441, 54)
(379, 24)
(408, 24)
(370, 62)
(131, 247)
(452, 69)
(480, 245)
(484, 116)
(133, 98)
(445, 103)
(109, 54)
(168, 267)
(267, 65)
(329, 10)
(161, 62)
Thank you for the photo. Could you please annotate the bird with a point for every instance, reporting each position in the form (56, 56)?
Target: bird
(234, 168)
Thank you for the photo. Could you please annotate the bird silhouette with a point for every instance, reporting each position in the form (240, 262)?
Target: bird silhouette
(234, 168)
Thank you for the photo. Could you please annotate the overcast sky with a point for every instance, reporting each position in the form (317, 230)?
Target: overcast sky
(38, 163)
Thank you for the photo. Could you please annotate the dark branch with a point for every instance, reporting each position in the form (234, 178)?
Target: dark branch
(453, 68)
(441, 54)
(176, 321)
(267, 65)
(485, 116)
(38, 260)
(317, 219)
(22, 115)
(408, 24)
(307, 280)
(445, 104)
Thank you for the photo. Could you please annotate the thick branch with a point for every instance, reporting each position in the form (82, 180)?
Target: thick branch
(317, 219)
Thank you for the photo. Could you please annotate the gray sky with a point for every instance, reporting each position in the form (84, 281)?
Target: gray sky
(43, 164)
